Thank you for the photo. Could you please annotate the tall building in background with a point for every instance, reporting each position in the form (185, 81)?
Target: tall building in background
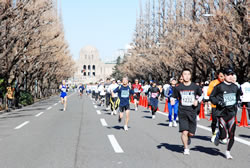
(90, 68)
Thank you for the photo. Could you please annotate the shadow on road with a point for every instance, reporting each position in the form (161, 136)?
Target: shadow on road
(204, 138)
(148, 117)
(208, 150)
(163, 124)
(244, 136)
(116, 127)
(173, 148)
(146, 111)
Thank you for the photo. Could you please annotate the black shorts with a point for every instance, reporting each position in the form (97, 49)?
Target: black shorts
(124, 108)
(187, 122)
(205, 100)
(137, 96)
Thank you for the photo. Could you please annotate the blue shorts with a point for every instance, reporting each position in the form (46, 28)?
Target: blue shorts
(63, 94)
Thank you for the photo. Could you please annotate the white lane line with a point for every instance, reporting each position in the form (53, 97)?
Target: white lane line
(49, 108)
(95, 106)
(209, 129)
(23, 124)
(98, 112)
(104, 123)
(117, 148)
(55, 104)
(59, 101)
(39, 114)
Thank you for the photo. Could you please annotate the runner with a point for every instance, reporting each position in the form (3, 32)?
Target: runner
(225, 96)
(205, 97)
(245, 87)
(187, 93)
(220, 78)
(155, 93)
(81, 89)
(102, 93)
(123, 93)
(174, 107)
(137, 90)
(114, 100)
(108, 94)
(63, 96)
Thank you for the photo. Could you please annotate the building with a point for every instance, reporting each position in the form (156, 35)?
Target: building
(90, 68)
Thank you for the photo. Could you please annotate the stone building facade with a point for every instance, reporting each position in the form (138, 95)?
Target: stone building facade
(90, 68)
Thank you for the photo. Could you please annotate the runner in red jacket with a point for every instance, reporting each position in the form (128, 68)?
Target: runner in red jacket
(137, 90)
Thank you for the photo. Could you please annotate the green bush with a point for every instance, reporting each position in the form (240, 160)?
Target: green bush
(26, 98)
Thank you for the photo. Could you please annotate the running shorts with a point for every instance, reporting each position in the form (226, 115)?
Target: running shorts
(137, 96)
(187, 122)
(63, 94)
(124, 108)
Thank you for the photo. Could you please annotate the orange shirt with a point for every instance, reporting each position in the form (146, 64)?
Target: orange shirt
(211, 88)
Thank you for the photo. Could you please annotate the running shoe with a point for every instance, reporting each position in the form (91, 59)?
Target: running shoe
(228, 155)
(112, 113)
(198, 118)
(170, 124)
(153, 116)
(125, 127)
(224, 141)
(189, 140)
(186, 152)
(213, 137)
(174, 124)
(217, 140)
(115, 112)
(119, 119)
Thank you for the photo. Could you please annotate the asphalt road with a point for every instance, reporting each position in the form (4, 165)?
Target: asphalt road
(87, 136)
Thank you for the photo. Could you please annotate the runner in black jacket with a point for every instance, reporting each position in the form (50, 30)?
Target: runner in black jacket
(225, 96)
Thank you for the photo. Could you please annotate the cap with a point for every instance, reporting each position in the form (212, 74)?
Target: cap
(113, 79)
(206, 83)
(229, 71)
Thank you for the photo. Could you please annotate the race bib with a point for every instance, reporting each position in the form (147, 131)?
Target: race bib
(247, 90)
(125, 93)
(136, 90)
(63, 89)
(229, 99)
(187, 98)
(154, 95)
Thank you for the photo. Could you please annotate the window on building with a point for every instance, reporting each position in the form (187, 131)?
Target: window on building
(84, 66)
(89, 67)
(84, 74)
(93, 73)
(93, 67)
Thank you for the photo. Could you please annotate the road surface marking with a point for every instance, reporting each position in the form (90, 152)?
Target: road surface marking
(55, 104)
(39, 114)
(23, 124)
(49, 108)
(59, 101)
(115, 144)
(209, 129)
(104, 123)
(98, 112)
(95, 106)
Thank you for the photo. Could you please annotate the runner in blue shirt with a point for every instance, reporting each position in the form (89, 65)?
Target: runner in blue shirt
(123, 93)
(63, 96)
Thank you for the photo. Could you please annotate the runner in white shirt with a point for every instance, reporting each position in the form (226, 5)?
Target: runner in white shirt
(114, 100)
(245, 98)
(101, 91)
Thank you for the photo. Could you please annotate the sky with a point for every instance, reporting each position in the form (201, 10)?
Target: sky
(108, 25)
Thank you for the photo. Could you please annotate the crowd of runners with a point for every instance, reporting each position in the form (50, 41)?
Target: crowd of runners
(221, 97)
